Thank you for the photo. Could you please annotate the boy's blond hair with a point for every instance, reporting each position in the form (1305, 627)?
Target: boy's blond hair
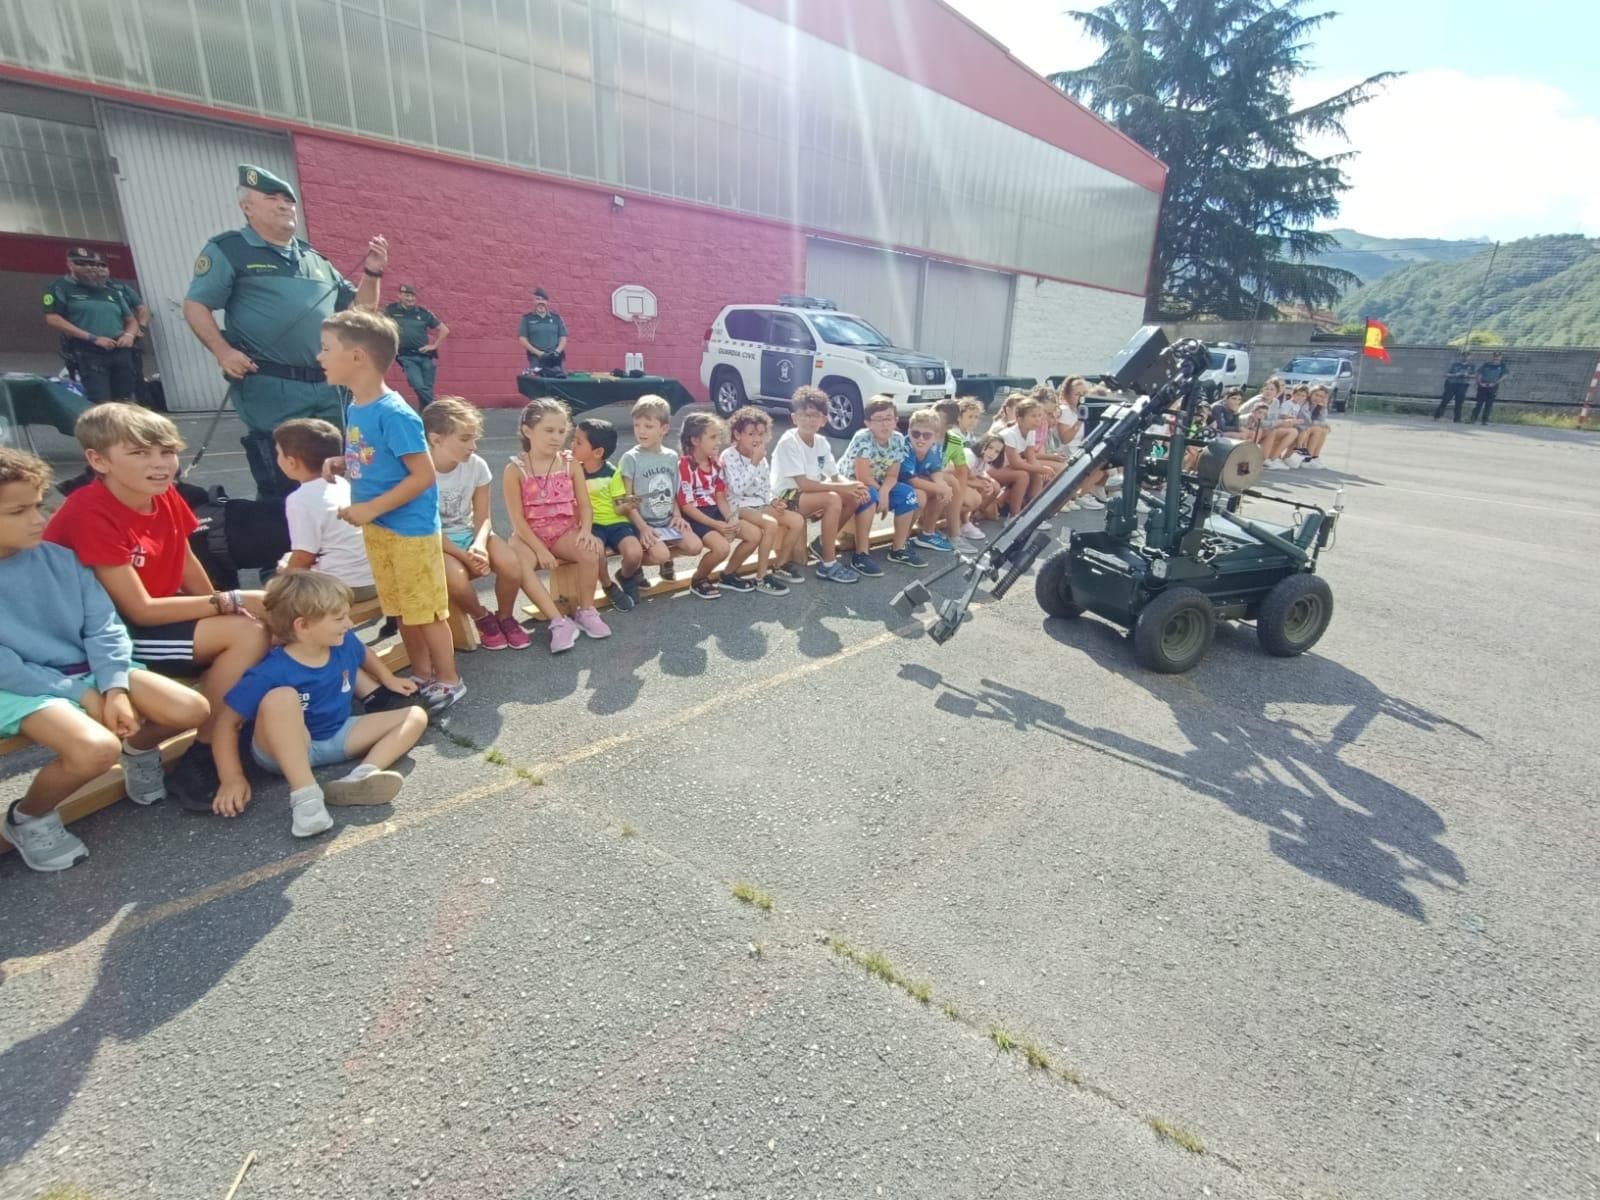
(971, 405)
(654, 407)
(926, 418)
(303, 595)
(108, 425)
(17, 466)
(372, 333)
(451, 414)
(809, 399)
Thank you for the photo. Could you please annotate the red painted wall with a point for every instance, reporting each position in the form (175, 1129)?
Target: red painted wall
(475, 242)
(38, 255)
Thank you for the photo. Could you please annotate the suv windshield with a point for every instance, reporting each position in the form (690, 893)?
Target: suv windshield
(839, 330)
(1312, 366)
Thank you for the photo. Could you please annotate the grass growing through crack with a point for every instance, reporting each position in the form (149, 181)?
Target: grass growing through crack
(1036, 1057)
(629, 830)
(494, 756)
(951, 1011)
(1176, 1134)
(750, 894)
(922, 990)
(1002, 1040)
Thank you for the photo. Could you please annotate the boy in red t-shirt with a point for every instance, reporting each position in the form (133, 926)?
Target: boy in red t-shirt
(131, 528)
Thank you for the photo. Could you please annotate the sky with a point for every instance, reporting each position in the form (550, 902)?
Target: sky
(1494, 130)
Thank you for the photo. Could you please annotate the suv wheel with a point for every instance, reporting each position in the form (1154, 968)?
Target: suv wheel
(727, 391)
(845, 415)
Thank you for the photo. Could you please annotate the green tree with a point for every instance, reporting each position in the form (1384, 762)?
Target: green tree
(1479, 337)
(1204, 85)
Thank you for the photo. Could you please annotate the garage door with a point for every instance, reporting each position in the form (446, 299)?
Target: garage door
(176, 182)
(962, 314)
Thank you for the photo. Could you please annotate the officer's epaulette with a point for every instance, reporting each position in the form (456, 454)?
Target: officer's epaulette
(227, 236)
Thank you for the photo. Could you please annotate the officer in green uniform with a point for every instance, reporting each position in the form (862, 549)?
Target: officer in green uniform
(97, 325)
(421, 335)
(275, 291)
(543, 333)
(141, 314)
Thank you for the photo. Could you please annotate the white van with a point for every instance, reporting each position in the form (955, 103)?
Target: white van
(1230, 368)
(759, 354)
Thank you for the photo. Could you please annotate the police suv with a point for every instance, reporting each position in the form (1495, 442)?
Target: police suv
(759, 354)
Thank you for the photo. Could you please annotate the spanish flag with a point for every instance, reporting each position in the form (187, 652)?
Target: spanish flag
(1376, 332)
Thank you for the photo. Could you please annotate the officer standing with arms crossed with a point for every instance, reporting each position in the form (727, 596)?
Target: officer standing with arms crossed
(98, 325)
(141, 314)
(419, 353)
(275, 291)
(543, 334)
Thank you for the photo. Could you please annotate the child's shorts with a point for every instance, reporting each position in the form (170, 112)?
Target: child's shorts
(15, 708)
(324, 753)
(710, 514)
(902, 499)
(612, 536)
(169, 649)
(461, 539)
(409, 572)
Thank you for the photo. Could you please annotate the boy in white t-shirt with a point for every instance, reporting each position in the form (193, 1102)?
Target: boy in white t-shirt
(318, 539)
(805, 478)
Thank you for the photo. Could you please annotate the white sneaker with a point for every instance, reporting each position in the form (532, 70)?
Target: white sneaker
(1090, 503)
(971, 532)
(310, 817)
(142, 777)
(1293, 462)
(43, 843)
(1314, 463)
(1099, 494)
(1275, 464)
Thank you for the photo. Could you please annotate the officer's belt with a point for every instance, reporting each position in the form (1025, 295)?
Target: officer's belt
(284, 371)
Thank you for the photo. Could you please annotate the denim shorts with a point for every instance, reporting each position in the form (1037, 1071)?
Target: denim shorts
(612, 536)
(324, 753)
(902, 499)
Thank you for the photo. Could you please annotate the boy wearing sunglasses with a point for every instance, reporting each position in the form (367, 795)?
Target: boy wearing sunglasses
(923, 469)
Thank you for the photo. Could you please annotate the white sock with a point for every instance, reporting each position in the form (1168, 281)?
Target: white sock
(18, 817)
(135, 752)
(305, 794)
(361, 771)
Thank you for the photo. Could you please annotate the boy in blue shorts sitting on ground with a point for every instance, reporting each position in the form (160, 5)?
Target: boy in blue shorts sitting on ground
(593, 444)
(299, 698)
(874, 457)
(67, 679)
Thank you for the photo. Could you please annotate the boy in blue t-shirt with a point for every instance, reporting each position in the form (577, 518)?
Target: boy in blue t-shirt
(299, 698)
(396, 497)
(923, 469)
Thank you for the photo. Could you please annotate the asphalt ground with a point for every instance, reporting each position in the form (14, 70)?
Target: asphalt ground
(1328, 922)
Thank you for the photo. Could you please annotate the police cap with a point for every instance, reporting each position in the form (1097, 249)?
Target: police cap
(259, 179)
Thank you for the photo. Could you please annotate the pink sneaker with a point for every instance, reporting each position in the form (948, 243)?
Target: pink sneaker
(589, 621)
(563, 635)
(516, 636)
(489, 635)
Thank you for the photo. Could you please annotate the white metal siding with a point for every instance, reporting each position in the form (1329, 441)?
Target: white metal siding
(875, 284)
(177, 181)
(965, 312)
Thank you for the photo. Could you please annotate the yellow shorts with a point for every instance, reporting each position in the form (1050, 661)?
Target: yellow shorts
(409, 572)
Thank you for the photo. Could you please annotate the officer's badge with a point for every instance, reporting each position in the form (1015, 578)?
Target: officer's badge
(251, 178)
(49, 299)
(202, 264)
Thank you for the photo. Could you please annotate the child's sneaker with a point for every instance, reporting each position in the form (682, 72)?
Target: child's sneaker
(907, 557)
(563, 635)
(836, 572)
(971, 532)
(490, 636)
(43, 842)
(633, 584)
(790, 572)
(142, 777)
(620, 598)
(439, 695)
(738, 583)
(865, 564)
(771, 585)
(588, 620)
(380, 787)
(669, 570)
(933, 541)
(309, 815)
(706, 589)
(516, 636)
(382, 699)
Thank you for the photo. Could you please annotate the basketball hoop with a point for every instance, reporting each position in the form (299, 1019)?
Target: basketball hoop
(644, 327)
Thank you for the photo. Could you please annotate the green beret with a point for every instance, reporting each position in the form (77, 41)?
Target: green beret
(261, 180)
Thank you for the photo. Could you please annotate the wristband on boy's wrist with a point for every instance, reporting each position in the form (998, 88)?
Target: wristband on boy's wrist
(216, 601)
(372, 273)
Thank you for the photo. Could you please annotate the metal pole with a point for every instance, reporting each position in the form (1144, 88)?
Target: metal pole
(1466, 342)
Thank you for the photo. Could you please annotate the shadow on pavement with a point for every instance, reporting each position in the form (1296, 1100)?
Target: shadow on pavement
(1335, 821)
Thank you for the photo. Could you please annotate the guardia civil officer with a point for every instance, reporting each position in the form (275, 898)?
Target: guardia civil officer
(276, 291)
(542, 333)
(96, 326)
(141, 314)
(421, 335)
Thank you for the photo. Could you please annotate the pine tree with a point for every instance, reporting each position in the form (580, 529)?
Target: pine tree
(1204, 85)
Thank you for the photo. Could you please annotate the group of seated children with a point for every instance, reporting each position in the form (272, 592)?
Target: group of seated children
(1039, 434)
(1290, 424)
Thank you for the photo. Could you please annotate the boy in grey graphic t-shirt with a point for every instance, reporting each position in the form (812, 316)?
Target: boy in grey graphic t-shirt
(650, 478)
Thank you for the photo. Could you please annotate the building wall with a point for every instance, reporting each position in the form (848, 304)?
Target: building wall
(1064, 329)
(475, 241)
